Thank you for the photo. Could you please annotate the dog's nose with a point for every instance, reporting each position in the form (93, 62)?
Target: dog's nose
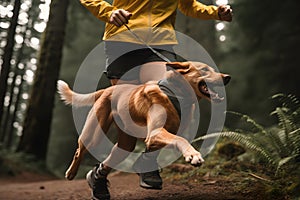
(226, 79)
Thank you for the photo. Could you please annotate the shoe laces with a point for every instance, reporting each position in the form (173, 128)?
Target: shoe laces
(101, 182)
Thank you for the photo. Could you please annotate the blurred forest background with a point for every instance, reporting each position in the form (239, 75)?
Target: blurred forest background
(43, 41)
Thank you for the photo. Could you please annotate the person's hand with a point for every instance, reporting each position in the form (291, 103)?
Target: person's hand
(225, 13)
(119, 17)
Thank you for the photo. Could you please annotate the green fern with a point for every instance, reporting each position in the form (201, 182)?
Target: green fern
(261, 137)
(278, 142)
(295, 135)
(248, 120)
(247, 141)
(289, 101)
(279, 146)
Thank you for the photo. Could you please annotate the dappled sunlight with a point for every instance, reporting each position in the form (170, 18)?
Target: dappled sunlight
(222, 38)
(35, 43)
(23, 18)
(222, 2)
(25, 96)
(6, 101)
(220, 26)
(45, 9)
(28, 77)
(6, 11)
(4, 25)
(40, 27)
(19, 39)
(33, 61)
(25, 5)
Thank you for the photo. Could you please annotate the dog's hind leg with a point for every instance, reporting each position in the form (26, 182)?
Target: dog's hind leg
(73, 168)
(96, 126)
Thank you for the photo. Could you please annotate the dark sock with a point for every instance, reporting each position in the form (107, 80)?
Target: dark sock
(101, 172)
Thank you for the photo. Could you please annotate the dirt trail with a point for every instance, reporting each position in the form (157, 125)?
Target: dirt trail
(123, 186)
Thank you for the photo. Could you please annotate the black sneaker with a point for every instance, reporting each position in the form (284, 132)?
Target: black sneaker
(151, 180)
(147, 168)
(98, 184)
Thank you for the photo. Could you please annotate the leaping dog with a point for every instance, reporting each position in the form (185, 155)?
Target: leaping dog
(148, 106)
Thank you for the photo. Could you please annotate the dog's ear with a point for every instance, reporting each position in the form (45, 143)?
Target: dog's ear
(181, 67)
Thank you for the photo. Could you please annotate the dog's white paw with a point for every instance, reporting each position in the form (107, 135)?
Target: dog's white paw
(192, 156)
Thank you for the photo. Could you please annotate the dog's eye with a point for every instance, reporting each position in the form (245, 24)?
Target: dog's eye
(205, 69)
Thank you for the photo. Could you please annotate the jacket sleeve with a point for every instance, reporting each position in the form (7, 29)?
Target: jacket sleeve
(99, 8)
(193, 8)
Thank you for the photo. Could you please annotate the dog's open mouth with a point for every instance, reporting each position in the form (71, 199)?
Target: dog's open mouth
(209, 92)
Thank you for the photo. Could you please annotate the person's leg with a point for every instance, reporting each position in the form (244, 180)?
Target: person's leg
(125, 145)
(118, 81)
(146, 165)
(152, 71)
(97, 178)
(147, 72)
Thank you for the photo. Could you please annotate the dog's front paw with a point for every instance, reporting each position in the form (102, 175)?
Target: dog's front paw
(192, 156)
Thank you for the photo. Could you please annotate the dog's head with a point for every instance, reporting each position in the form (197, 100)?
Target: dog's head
(202, 78)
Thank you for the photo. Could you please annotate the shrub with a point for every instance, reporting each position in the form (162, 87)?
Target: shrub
(280, 145)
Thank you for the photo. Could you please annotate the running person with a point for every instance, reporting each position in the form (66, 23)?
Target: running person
(153, 21)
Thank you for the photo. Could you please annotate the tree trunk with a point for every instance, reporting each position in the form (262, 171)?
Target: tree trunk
(7, 117)
(36, 130)
(8, 52)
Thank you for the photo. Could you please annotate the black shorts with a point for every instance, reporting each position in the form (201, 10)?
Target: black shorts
(123, 57)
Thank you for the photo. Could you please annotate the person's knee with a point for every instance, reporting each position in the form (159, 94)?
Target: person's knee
(114, 81)
(152, 71)
(119, 81)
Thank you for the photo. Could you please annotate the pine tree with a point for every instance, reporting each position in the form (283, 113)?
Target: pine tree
(36, 128)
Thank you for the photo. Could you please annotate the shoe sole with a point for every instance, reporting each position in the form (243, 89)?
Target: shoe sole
(147, 186)
(89, 178)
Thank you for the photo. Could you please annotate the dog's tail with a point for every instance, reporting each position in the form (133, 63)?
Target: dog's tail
(72, 98)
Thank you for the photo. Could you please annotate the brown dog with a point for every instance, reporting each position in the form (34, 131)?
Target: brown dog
(148, 106)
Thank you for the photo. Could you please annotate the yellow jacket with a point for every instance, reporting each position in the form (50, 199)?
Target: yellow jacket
(152, 20)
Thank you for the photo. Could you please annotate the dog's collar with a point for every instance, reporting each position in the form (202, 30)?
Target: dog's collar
(177, 90)
(180, 100)
(165, 88)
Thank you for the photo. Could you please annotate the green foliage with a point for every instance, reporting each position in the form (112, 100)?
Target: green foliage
(279, 146)
(12, 164)
(261, 51)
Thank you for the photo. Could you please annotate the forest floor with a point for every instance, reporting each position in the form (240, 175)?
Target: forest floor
(177, 185)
